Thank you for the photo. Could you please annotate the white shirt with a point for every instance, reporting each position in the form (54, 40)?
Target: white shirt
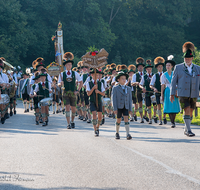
(4, 77)
(16, 80)
(134, 77)
(142, 80)
(77, 76)
(153, 80)
(33, 81)
(189, 68)
(88, 86)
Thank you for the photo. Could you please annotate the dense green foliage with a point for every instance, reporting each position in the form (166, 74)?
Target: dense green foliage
(127, 29)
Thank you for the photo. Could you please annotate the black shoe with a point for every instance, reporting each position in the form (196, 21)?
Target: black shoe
(81, 118)
(155, 119)
(142, 120)
(135, 117)
(165, 121)
(96, 134)
(11, 113)
(54, 112)
(128, 137)
(117, 136)
(110, 115)
(76, 114)
(150, 122)
(146, 118)
(2, 120)
(131, 119)
(88, 121)
(57, 111)
(41, 120)
(15, 112)
(103, 121)
(122, 118)
(173, 125)
(73, 125)
(160, 123)
(189, 133)
(27, 110)
(44, 124)
(85, 119)
(31, 108)
(68, 126)
(37, 122)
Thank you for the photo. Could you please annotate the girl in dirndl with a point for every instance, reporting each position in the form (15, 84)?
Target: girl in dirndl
(169, 108)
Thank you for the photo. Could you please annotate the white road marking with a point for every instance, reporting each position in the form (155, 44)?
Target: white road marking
(168, 168)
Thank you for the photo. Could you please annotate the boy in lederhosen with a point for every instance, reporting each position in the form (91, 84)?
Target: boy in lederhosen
(131, 71)
(138, 91)
(67, 80)
(145, 86)
(155, 85)
(122, 102)
(24, 89)
(43, 88)
(36, 97)
(95, 88)
(56, 92)
(84, 96)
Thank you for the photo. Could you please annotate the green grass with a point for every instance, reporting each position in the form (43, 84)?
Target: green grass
(179, 117)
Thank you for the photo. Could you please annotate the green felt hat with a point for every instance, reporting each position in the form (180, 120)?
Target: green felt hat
(148, 65)
(93, 71)
(131, 70)
(188, 54)
(121, 73)
(40, 64)
(43, 74)
(68, 61)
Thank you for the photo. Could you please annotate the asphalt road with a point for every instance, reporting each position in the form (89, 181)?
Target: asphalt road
(53, 157)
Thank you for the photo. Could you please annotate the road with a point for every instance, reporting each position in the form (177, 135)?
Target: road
(53, 157)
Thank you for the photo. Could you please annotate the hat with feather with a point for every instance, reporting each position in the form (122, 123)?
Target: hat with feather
(159, 61)
(118, 67)
(108, 67)
(39, 62)
(123, 68)
(68, 58)
(131, 68)
(140, 61)
(148, 64)
(113, 66)
(170, 60)
(188, 49)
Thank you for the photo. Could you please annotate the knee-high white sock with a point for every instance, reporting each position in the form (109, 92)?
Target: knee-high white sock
(117, 126)
(127, 127)
(53, 106)
(27, 105)
(24, 105)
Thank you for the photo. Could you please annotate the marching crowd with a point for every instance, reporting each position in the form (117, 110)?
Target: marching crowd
(93, 94)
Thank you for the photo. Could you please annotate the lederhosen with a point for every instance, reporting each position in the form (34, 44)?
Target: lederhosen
(158, 87)
(148, 94)
(138, 89)
(92, 98)
(25, 95)
(70, 86)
